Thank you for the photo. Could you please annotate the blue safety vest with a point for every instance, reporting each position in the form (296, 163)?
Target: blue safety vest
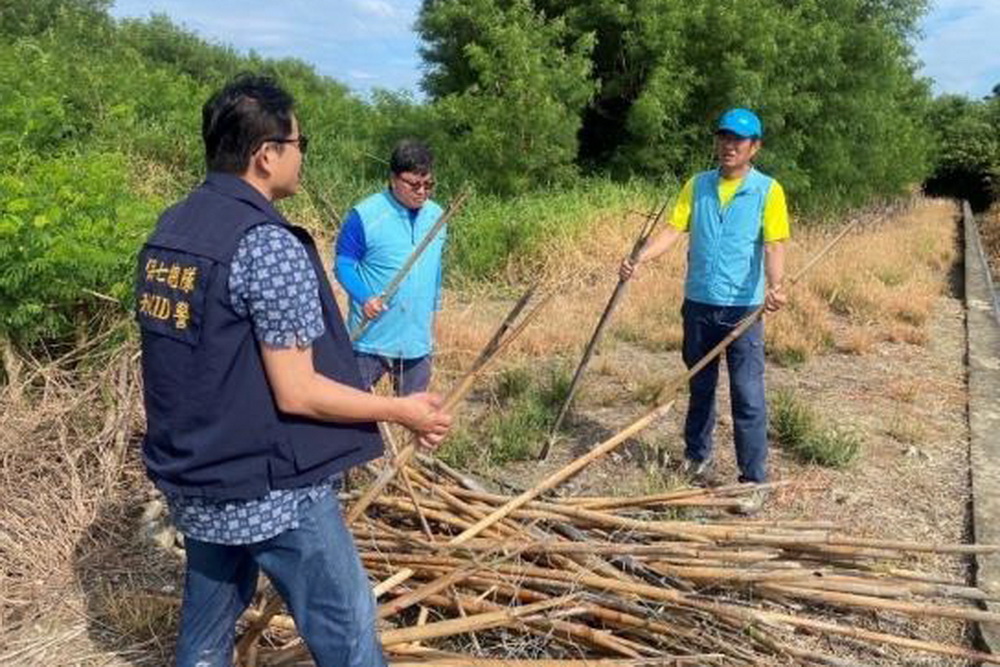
(405, 331)
(726, 246)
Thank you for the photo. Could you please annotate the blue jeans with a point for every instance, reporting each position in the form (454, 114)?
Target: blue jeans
(705, 327)
(409, 376)
(314, 567)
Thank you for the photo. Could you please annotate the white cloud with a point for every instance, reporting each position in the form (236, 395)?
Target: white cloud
(378, 8)
(959, 48)
(361, 75)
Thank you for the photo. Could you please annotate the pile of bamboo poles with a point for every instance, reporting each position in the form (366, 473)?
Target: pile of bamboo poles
(609, 581)
(466, 576)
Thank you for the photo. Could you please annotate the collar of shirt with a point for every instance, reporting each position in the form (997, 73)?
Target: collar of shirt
(235, 187)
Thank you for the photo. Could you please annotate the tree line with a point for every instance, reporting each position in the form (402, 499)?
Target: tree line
(99, 121)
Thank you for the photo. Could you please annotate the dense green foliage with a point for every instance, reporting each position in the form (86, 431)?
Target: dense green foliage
(100, 136)
(833, 79)
(968, 148)
(516, 121)
(99, 124)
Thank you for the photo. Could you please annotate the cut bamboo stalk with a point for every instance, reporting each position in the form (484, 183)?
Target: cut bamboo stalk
(610, 503)
(649, 224)
(506, 333)
(393, 607)
(877, 637)
(860, 601)
(246, 646)
(676, 661)
(386, 431)
(384, 587)
(562, 475)
(460, 626)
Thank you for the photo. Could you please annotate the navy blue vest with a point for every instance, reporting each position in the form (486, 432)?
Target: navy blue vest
(214, 429)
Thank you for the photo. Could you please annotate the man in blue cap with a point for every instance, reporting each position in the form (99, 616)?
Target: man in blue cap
(738, 223)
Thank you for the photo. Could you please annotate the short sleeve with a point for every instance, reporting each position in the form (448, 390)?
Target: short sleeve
(680, 218)
(272, 282)
(776, 225)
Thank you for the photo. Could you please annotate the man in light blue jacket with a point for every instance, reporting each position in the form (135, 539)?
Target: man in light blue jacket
(737, 221)
(377, 237)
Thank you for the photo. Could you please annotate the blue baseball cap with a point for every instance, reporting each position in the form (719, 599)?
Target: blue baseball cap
(741, 122)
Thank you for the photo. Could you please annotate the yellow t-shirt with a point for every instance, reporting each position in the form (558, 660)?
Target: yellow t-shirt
(776, 226)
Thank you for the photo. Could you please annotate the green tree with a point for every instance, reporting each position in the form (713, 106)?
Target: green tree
(512, 109)
(25, 18)
(834, 80)
(967, 158)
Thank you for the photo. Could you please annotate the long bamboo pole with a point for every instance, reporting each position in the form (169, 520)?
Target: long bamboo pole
(662, 408)
(565, 473)
(459, 626)
(506, 333)
(677, 661)
(649, 225)
(396, 281)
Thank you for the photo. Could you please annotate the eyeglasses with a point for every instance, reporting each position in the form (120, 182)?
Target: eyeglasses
(417, 186)
(302, 141)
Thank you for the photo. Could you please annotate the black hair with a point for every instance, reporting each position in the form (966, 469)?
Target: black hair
(411, 155)
(236, 120)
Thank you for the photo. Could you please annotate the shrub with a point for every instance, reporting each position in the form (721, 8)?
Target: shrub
(795, 426)
(69, 228)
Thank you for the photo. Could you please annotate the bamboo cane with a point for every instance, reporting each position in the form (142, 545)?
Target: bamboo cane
(572, 633)
(386, 432)
(246, 647)
(664, 398)
(395, 580)
(649, 224)
(676, 661)
(396, 281)
(876, 637)
(565, 473)
(469, 624)
(864, 602)
(504, 335)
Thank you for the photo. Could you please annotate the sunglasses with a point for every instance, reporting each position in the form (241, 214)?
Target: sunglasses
(417, 186)
(302, 141)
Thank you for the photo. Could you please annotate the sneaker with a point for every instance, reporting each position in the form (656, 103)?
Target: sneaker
(753, 503)
(696, 471)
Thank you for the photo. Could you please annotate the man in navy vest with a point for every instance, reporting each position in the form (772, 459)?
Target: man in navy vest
(253, 399)
(738, 222)
(377, 237)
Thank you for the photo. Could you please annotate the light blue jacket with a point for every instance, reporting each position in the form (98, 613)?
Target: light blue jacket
(726, 248)
(405, 330)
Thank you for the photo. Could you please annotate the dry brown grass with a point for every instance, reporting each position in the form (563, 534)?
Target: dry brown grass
(71, 561)
(879, 284)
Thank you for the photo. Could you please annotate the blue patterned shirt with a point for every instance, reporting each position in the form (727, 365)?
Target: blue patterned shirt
(271, 281)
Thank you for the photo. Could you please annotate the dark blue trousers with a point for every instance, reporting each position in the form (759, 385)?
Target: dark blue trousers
(409, 376)
(705, 326)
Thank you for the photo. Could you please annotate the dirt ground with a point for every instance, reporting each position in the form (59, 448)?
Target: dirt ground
(905, 401)
(989, 229)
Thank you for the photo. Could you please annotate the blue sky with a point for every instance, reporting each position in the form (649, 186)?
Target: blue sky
(371, 44)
